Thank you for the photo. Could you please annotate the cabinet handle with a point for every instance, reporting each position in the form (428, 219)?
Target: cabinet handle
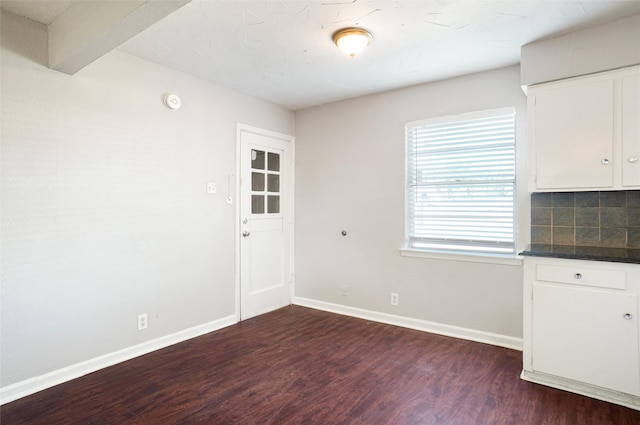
(605, 161)
(633, 159)
(628, 316)
(578, 276)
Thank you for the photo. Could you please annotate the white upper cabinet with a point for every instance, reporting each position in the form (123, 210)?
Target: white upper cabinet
(584, 133)
(631, 130)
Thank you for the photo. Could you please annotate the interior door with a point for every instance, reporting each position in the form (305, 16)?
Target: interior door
(265, 221)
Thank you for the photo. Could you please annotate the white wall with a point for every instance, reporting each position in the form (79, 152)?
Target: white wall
(601, 48)
(105, 213)
(104, 207)
(350, 175)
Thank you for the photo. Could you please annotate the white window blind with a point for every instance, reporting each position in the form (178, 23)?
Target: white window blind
(460, 183)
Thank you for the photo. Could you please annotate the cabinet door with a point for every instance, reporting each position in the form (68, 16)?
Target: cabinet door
(582, 334)
(574, 130)
(631, 130)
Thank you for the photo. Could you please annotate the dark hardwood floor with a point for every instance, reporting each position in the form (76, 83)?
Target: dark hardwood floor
(302, 366)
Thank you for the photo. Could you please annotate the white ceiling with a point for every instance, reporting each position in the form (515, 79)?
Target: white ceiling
(282, 51)
(43, 11)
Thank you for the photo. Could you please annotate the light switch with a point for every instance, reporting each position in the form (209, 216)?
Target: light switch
(212, 188)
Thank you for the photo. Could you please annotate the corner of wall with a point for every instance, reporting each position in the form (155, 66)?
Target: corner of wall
(24, 37)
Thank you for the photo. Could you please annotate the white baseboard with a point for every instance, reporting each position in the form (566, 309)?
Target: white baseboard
(33, 385)
(421, 325)
(611, 396)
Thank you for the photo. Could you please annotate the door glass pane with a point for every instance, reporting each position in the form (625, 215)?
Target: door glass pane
(257, 181)
(274, 161)
(273, 183)
(257, 159)
(273, 204)
(257, 204)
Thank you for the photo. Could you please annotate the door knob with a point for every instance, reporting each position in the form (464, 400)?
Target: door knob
(633, 159)
(605, 161)
(628, 316)
(245, 234)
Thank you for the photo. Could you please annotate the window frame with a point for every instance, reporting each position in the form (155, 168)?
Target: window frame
(462, 254)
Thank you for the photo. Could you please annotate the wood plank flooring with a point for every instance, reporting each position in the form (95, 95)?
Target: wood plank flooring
(303, 366)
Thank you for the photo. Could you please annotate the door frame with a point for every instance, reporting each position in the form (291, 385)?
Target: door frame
(237, 228)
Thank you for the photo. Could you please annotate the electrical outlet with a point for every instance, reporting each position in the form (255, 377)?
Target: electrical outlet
(143, 321)
(344, 291)
(394, 298)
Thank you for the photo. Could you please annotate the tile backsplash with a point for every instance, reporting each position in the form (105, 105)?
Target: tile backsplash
(602, 219)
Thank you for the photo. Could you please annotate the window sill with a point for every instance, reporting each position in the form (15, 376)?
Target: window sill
(513, 260)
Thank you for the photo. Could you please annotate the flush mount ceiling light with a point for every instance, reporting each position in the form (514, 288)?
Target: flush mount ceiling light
(352, 40)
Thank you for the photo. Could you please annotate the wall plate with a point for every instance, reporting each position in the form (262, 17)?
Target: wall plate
(172, 101)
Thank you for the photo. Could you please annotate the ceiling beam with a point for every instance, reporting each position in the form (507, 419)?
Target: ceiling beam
(88, 30)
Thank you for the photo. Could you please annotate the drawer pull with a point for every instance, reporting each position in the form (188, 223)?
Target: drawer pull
(628, 316)
(578, 276)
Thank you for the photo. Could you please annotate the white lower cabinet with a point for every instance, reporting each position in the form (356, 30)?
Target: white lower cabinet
(581, 328)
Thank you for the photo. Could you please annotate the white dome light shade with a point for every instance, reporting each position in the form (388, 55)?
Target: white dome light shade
(352, 40)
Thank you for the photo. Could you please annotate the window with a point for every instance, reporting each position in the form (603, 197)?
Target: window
(265, 168)
(461, 183)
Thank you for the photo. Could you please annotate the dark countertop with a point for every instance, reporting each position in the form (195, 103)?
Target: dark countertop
(618, 255)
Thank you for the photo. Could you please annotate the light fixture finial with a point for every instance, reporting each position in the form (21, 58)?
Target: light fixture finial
(352, 41)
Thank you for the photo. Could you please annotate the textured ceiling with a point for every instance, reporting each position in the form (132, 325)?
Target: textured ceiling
(282, 51)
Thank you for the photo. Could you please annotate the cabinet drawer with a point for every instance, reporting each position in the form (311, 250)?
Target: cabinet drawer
(579, 275)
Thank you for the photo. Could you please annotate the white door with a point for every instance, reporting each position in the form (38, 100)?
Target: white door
(265, 221)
